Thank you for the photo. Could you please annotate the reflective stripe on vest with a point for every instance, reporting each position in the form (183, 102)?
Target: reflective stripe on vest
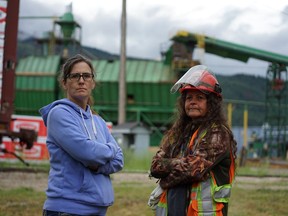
(206, 197)
(222, 193)
(161, 209)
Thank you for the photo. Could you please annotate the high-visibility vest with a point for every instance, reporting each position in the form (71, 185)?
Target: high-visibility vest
(206, 198)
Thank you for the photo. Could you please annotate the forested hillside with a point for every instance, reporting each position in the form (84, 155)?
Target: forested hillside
(245, 90)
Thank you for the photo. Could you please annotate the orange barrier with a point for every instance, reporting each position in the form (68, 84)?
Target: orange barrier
(39, 150)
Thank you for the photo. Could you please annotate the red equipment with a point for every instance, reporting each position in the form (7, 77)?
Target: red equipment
(9, 16)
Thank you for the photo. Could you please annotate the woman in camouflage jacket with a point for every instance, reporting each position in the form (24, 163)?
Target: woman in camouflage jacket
(196, 159)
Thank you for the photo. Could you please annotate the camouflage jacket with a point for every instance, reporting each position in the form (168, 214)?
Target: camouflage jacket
(196, 164)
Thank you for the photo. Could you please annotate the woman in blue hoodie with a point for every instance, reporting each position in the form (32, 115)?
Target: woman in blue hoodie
(82, 151)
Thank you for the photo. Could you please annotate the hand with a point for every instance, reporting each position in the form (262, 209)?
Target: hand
(93, 168)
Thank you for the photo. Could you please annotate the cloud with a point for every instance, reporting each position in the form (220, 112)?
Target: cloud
(37, 18)
(151, 24)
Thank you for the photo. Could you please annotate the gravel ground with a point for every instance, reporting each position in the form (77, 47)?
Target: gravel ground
(38, 181)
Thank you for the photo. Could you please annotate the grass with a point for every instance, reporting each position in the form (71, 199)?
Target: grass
(264, 202)
(134, 163)
(34, 166)
(21, 202)
(248, 198)
(137, 163)
(131, 199)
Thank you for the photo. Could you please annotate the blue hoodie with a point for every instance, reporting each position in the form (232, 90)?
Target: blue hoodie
(76, 142)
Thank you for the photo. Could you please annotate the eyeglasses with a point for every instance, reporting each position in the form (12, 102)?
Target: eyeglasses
(77, 76)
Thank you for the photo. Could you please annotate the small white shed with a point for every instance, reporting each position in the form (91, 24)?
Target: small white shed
(133, 135)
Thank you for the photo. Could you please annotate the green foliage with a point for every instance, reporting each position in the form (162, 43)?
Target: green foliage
(243, 87)
(245, 90)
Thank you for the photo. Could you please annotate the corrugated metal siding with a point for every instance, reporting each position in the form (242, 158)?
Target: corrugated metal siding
(138, 71)
(148, 84)
(40, 65)
(106, 71)
(36, 83)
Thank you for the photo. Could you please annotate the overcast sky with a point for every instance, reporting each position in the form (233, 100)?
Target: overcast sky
(259, 24)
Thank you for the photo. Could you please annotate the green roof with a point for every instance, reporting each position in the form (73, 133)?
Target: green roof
(140, 71)
(137, 71)
(37, 73)
(38, 65)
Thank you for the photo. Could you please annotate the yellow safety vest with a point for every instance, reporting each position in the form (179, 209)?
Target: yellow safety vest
(206, 198)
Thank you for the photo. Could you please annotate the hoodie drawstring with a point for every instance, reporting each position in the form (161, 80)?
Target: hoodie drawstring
(93, 125)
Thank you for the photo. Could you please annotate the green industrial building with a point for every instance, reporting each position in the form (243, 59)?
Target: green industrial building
(148, 82)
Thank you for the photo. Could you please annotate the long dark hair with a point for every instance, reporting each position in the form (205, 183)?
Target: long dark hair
(183, 125)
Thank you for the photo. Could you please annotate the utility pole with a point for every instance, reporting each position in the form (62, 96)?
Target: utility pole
(122, 73)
